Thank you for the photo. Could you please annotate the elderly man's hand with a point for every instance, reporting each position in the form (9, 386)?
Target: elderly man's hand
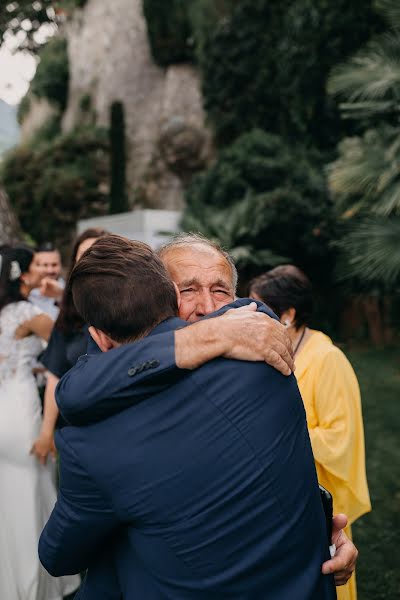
(342, 565)
(254, 336)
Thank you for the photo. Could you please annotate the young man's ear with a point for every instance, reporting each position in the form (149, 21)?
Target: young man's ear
(104, 342)
(178, 294)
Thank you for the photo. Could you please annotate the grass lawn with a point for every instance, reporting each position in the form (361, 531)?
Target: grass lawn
(377, 534)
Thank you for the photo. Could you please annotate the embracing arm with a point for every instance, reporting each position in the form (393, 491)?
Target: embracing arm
(244, 333)
(105, 383)
(81, 520)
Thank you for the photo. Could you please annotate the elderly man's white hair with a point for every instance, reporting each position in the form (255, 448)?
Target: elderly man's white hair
(189, 239)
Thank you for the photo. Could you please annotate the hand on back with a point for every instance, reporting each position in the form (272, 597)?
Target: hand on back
(254, 336)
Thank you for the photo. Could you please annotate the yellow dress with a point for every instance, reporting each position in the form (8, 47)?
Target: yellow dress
(331, 397)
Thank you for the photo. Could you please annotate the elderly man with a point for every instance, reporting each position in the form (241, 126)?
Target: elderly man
(206, 279)
(208, 488)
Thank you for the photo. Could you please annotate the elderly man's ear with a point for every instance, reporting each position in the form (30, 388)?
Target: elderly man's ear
(104, 342)
(178, 294)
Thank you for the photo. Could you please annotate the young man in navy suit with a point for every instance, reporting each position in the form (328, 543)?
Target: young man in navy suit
(205, 491)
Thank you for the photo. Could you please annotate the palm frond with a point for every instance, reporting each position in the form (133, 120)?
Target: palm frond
(245, 256)
(391, 10)
(367, 172)
(234, 228)
(370, 77)
(368, 109)
(372, 252)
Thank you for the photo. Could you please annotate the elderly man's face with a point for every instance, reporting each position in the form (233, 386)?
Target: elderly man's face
(203, 277)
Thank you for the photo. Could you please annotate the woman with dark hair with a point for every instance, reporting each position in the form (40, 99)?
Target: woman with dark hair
(67, 343)
(330, 393)
(27, 493)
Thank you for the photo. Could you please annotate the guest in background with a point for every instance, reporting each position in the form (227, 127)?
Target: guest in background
(330, 393)
(48, 295)
(68, 341)
(27, 492)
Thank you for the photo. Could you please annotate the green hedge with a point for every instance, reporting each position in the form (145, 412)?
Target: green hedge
(170, 31)
(55, 183)
(263, 195)
(266, 65)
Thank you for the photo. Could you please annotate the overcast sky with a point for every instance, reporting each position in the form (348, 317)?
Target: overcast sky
(16, 71)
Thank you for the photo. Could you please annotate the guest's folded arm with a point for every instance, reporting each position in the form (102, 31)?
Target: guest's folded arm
(82, 520)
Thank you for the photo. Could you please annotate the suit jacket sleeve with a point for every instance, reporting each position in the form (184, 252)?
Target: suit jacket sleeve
(105, 383)
(81, 521)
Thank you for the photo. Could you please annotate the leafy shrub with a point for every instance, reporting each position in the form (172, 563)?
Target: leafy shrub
(46, 133)
(262, 196)
(54, 184)
(52, 74)
(266, 65)
(169, 29)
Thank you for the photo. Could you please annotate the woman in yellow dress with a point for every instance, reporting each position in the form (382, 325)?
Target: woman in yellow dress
(331, 397)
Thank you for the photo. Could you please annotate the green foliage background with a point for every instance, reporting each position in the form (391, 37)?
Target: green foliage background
(52, 74)
(264, 62)
(54, 182)
(276, 113)
(267, 63)
(277, 192)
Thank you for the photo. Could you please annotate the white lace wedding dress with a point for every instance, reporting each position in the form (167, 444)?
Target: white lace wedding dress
(27, 490)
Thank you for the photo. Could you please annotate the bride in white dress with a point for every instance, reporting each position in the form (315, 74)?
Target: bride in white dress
(27, 491)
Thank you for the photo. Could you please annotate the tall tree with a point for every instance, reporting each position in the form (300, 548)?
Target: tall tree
(265, 65)
(9, 227)
(118, 197)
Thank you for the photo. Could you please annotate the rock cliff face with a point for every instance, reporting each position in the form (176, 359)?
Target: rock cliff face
(9, 227)
(40, 112)
(110, 60)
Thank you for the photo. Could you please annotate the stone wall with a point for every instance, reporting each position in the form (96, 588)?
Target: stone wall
(165, 124)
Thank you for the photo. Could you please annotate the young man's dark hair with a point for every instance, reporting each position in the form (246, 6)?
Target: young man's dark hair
(285, 287)
(121, 287)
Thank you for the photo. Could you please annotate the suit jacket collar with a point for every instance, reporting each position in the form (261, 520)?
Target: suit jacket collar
(168, 325)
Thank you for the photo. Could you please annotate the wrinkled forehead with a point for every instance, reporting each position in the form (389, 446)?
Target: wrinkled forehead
(199, 262)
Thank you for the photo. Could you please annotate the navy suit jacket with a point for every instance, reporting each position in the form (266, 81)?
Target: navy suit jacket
(205, 491)
(103, 384)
